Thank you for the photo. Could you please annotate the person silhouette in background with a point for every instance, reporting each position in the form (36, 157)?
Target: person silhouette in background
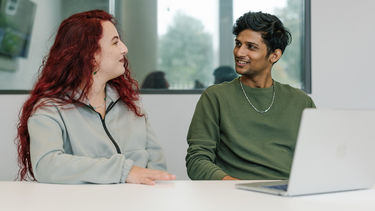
(155, 80)
(198, 84)
(224, 73)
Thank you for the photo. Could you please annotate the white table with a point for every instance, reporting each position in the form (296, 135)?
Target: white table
(171, 195)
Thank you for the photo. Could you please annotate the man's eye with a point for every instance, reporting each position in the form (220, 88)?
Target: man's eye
(252, 47)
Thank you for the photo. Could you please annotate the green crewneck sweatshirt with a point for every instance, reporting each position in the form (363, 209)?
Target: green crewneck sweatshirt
(228, 137)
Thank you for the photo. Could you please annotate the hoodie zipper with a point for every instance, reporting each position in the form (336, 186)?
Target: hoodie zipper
(105, 126)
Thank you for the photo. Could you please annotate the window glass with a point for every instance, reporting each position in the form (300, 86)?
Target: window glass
(188, 42)
(192, 53)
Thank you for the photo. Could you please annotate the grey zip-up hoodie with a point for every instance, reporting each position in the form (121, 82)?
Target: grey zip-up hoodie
(73, 144)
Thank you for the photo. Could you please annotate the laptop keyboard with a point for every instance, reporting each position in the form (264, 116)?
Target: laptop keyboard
(278, 187)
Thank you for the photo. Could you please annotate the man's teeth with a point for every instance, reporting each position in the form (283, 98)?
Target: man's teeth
(242, 62)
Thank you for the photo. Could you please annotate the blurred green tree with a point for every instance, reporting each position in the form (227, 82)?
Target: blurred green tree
(186, 51)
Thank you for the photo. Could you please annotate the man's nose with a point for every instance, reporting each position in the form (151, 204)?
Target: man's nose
(240, 51)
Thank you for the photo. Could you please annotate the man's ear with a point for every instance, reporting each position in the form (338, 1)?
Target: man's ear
(275, 56)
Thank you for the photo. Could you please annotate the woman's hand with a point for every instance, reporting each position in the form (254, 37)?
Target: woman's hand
(146, 176)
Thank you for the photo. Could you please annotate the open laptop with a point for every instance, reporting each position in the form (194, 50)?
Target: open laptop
(335, 151)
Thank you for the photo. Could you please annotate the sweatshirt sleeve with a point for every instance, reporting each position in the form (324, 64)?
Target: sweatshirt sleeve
(203, 136)
(156, 157)
(311, 103)
(51, 164)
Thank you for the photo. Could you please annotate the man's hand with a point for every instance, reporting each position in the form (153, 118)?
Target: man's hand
(146, 176)
(229, 178)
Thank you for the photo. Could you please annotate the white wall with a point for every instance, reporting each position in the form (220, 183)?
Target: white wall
(342, 74)
(343, 44)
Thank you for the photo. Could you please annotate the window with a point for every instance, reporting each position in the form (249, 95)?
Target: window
(188, 42)
(193, 41)
(177, 44)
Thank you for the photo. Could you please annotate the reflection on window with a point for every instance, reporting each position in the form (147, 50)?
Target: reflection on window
(155, 80)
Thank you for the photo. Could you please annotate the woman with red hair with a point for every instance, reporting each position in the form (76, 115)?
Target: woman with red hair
(82, 122)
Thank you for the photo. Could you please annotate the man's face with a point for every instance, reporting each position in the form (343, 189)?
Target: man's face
(250, 54)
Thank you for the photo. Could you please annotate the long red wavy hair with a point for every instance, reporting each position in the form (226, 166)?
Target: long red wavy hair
(67, 72)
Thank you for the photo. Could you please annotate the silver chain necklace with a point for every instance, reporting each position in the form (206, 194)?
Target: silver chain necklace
(248, 100)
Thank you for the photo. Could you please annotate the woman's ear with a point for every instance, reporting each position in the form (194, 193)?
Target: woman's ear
(275, 56)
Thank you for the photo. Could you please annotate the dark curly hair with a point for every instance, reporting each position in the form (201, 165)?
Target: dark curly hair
(274, 34)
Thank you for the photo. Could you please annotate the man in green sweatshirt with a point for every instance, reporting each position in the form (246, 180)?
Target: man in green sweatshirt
(247, 128)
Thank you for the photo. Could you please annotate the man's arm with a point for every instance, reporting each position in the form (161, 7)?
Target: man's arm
(203, 136)
(311, 103)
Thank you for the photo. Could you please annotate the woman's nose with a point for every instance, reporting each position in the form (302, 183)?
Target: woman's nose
(124, 49)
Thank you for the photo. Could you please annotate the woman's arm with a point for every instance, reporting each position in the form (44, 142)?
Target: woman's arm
(52, 165)
(156, 157)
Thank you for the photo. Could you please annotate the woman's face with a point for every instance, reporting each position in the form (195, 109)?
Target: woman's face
(110, 58)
